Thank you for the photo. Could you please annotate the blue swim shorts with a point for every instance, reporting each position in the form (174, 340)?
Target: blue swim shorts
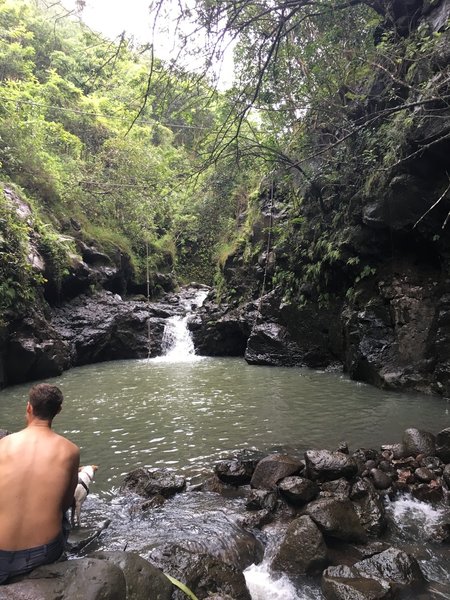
(18, 562)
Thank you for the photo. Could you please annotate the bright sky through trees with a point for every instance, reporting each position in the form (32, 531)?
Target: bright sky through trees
(113, 17)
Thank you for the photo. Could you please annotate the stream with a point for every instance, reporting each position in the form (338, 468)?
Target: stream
(185, 412)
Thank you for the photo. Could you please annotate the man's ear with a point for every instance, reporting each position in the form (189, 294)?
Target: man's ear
(29, 409)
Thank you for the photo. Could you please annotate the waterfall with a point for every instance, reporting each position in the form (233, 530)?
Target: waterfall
(177, 344)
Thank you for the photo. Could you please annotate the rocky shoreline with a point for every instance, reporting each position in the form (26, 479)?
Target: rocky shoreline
(331, 504)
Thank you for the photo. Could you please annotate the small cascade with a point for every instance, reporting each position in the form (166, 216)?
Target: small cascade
(177, 344)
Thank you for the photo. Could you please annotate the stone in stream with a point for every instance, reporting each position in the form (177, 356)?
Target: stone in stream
(152, 482)
(271, 469)
(417, 441)
(375, 578)
(323, 465)
(298, 490)
(202, 573)
(86, 578)
(234, 471)
(143, 580)
(443, 445)
(303, 550)
(337, 518)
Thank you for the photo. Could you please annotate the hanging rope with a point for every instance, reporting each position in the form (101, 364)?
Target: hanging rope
(269, 242)
(148, 303)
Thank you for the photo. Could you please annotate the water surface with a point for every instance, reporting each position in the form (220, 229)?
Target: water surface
(186, 415)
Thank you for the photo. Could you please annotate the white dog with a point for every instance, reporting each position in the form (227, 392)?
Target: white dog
(85, 476)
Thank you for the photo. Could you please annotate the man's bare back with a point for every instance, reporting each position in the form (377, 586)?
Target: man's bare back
(38, 476)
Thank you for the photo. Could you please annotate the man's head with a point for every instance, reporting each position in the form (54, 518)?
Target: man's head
(45, 400)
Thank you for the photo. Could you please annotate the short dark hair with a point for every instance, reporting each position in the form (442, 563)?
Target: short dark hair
(46, 400)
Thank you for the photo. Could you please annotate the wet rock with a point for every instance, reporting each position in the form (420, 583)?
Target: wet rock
(271, 469)
(392, 565)
(256, 519)
(340, 488)
(417, 441)
(203, 574)
(87, 578)
(397, 451)
(369, 507)
(152, 482)
(104, 327)
(143, 580)
(261, 500)
(303, 550)
(446, 475)
(298, 490)
(337, 518)
(344, 583)
(34, 350)
(443, 445)
(324, 465)
(234, 472)
(424, 475)
(428, 492)
(271, 344)
(381, 480)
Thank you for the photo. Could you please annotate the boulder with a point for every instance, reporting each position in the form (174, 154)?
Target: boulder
(417, 441)
(261, 500)
(446, 475)
(271, 469)
(202, 573)
(381, 480)
(34, 350)
(152, 482)
(143, 580)
(339, 488)
(369, 507)
(324, 465)
(86, 578)
(337, 518)
(271, 344)
(234, 471)
(298, 490)
(391, 565)
(104, 327)
(344, 583)
(303, 550)
(443, 445)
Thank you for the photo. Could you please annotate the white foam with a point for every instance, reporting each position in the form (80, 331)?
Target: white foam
(263, 585)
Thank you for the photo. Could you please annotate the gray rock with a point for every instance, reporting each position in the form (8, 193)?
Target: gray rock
(344, 583)
(271, 469)
(143, 580)
(303, 550)
(324, 465)
(337, 518)
(443, 445)
(424, 475)
(152, 482)
(340, 488)
(417, 441)
(86, 578)
(391, 565)
(446, 475)
(369, 507)
(381, 480)
(298, 490)
(234, 471)
(261, 500)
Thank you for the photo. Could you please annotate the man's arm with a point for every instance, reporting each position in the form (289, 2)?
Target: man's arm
(68, 497)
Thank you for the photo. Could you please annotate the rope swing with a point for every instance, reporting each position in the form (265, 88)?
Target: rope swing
(269, 242)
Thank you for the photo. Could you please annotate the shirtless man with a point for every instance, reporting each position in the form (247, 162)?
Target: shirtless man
(38, 476)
